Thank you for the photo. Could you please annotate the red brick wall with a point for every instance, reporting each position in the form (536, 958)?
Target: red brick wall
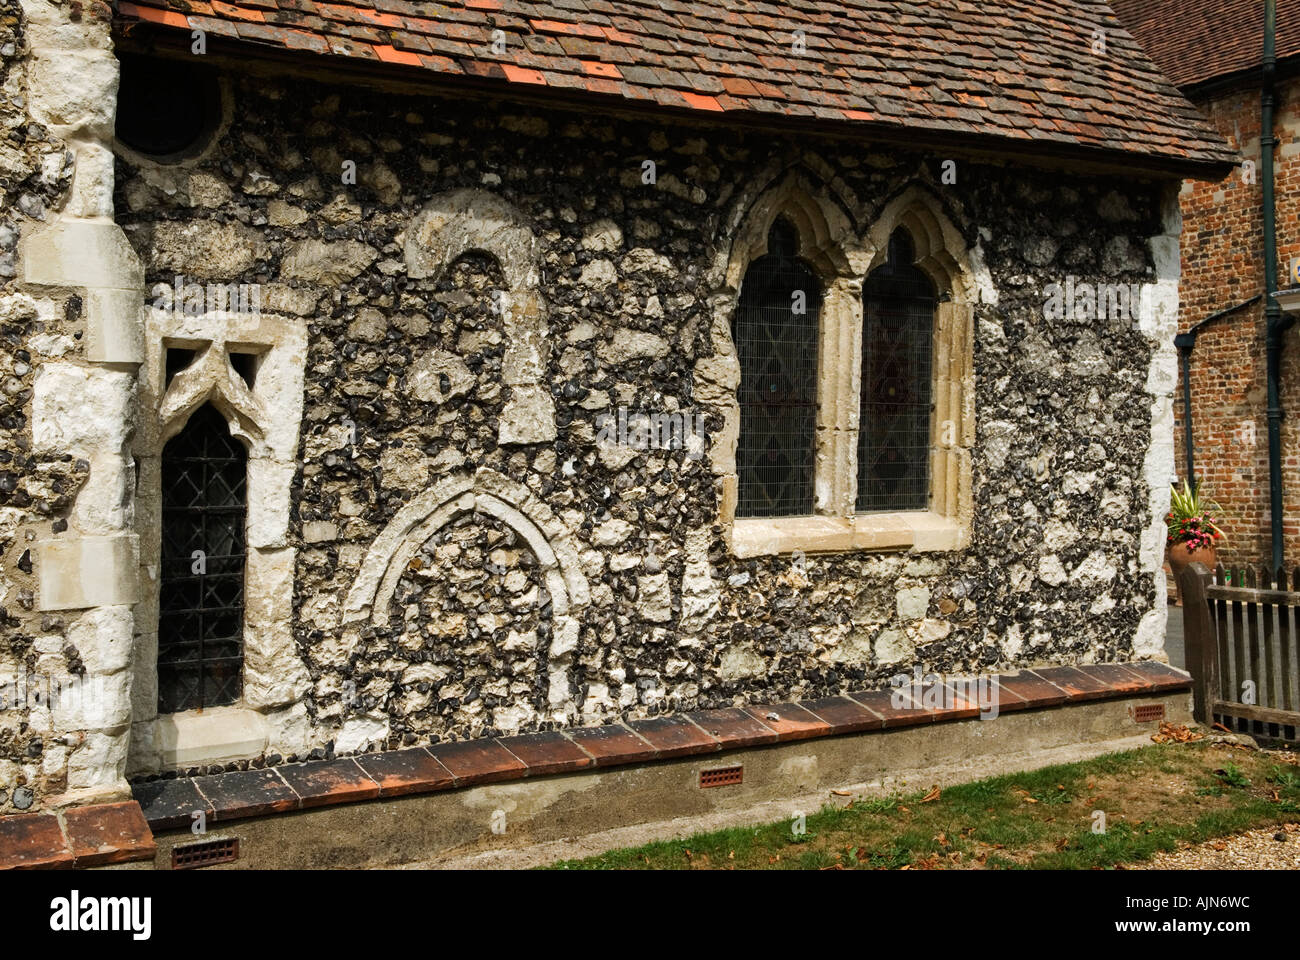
(1223, 265)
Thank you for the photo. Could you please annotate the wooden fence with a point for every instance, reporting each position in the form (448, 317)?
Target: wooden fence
(1242, 633)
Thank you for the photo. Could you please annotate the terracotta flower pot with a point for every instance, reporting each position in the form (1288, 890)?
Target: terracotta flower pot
(1181, 555)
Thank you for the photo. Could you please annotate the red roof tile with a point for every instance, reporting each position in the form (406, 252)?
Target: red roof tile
(1013, 69)
(1193, 41)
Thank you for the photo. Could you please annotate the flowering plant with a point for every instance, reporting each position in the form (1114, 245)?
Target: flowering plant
(1189, 520)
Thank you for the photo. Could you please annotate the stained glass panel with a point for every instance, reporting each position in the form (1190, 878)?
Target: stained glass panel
(201, 599)
(775, 332)
(897, 341)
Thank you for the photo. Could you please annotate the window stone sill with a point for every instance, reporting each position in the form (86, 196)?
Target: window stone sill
(214, 735)
(920, 531)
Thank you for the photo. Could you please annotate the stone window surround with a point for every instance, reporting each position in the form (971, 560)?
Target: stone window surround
(266, 418)
(842, 261)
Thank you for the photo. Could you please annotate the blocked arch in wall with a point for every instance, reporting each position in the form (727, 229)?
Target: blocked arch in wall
(458, 222)
(494, 495)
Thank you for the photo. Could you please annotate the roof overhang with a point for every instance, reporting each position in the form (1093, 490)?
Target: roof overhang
(251, 56)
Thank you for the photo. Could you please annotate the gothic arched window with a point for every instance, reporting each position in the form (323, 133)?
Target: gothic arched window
(201, 599)
(894, 441)
(775, 331)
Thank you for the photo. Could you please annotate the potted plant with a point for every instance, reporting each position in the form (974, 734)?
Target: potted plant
(1192, 532)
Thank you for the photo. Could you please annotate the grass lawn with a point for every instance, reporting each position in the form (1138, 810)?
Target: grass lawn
(1153, 799)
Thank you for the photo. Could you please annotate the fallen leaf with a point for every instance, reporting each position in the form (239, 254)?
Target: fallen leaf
(902, 809)
(842, 793)
(731, 855)
(942, 839)
(1030, 800)
(932, 795)
(1219, 845)
(1219, 726)
(1062, 843)
(834, 866)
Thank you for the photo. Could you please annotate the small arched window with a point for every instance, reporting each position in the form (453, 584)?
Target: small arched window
(201, 599)
(897, 342)
(775, 333)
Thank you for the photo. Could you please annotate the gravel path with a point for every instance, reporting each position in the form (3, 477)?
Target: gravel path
(1252, 850)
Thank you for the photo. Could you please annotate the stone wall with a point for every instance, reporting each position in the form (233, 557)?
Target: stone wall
(470, 559)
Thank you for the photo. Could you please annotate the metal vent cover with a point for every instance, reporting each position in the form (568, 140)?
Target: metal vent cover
(205, 853)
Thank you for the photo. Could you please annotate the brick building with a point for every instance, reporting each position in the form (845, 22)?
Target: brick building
(1212, 49)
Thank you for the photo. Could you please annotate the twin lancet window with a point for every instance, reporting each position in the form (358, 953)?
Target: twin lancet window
(776, 333)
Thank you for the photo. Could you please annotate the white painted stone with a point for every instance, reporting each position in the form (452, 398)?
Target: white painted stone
(327, 263)
(425, 378)
(1097, 568)
(1050, 570)
(741, 662)
(602, 236)
(893, 646)
(913, 602)
(1149, 640)
(528, 416)
(626, 344)
(84, 572)
(611, 533)
(98, 762)
(358, 733)
(215, 735)
(102, 637)
(80, 410)
(269, 483)
(654, 597)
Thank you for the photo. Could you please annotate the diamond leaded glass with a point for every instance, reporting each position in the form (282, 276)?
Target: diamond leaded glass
(775, 332)
(897, 340)
(201, 599)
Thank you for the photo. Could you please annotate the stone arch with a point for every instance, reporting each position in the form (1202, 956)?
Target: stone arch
(512, 503)
(210, 379)
(476, 221)
(940, 248)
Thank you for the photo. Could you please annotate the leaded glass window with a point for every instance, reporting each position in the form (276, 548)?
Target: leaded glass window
(897, 342)
(201, 599)
(775, 332)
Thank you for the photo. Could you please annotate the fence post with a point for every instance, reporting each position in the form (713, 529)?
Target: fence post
(1200, 639)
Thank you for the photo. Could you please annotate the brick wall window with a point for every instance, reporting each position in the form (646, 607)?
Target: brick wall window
(201, 600)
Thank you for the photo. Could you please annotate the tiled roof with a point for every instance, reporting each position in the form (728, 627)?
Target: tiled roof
(1197, 40)
(1031, 71)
